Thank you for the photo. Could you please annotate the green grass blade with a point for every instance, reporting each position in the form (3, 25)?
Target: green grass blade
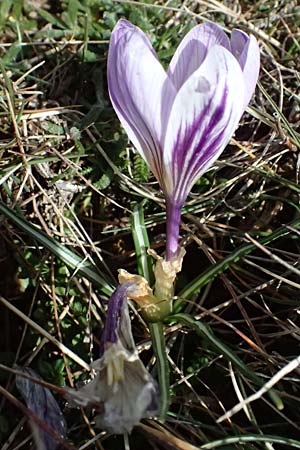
(141, 243)
(73, 261)
(4, 11)
(285, 123)
(205, 332)
(163, 369)
(208, 275)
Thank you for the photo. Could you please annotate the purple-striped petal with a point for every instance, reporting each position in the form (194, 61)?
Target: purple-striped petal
(246, 50)
(193, 50)
(181, 122)
(203, 118)
(238, 41)
(114, 315)
(140, 91)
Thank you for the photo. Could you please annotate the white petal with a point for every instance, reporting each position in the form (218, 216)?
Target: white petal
(193, 49)
(203, 118)
(129, 400)
(140, 91)
(246, 50)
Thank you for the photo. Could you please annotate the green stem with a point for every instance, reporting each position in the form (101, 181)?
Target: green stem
(141, 243)
(163, 370)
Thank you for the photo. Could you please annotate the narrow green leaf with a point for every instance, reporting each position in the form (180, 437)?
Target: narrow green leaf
(71, 259)
(12, 54)
(141, 243)
(17, 9)
(4, 10)
(72, 13)
(163, 369)
(208, 275)
(285, 123)
(51, 19)
(8, 83)
(205, 332)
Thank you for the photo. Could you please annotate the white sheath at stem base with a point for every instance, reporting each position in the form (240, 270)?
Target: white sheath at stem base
(158, 305)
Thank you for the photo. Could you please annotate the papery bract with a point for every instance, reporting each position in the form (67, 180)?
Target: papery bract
(181, 120)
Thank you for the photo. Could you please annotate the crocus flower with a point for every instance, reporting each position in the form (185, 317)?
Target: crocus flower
(123, 391)
(180, 120)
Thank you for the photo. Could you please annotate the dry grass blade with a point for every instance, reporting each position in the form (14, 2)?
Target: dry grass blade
(67, 169)
(292, 365)
(44, 333)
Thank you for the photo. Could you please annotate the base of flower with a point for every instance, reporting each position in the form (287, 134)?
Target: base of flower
(158, 311)
(165, 272)
(155, 307)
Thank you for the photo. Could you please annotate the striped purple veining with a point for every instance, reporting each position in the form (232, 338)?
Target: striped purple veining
(181, 120)
(113, 316)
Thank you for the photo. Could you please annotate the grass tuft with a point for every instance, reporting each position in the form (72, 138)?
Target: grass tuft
(69, 186)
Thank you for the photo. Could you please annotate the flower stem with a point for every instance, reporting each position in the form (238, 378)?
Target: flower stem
(163, 369)
(173, 224)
